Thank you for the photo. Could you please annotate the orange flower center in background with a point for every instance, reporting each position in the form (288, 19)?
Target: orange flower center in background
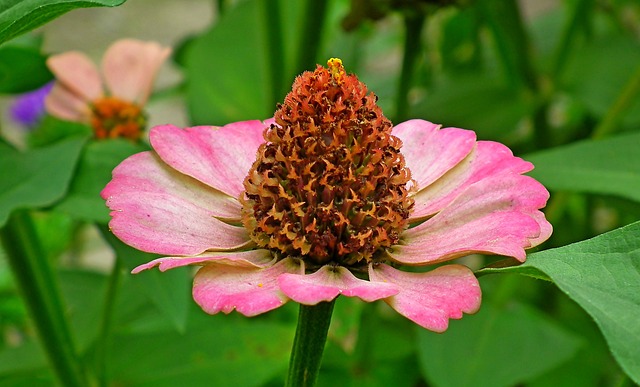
(112, 118)
(330, 183)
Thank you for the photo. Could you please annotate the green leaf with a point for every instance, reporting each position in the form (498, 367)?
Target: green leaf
(94, 172)
(38, 177)
(169, 291)
(603, 276)
(214, 351)
(499, 346)
(22, 69)
(20, 16)
(610, 166)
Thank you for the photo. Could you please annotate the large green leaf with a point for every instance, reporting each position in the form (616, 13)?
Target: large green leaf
(213, 351)
(499, 346)
(603, 276)
(20, 16)
(610, 166)
(36, 178)
(22, 69)
(94, 172)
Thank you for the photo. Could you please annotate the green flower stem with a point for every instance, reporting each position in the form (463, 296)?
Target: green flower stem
(105, 323)
(311, 35)
(619, 108)
(308, 345)
(579, 17)
(413, 24)
(275, 47)
(38, 286)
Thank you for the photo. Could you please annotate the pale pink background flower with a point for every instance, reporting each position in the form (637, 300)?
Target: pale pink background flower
(181, 200)
(129, 68)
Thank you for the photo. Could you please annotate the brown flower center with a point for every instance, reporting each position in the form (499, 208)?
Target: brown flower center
(330, 183)
(112, 118)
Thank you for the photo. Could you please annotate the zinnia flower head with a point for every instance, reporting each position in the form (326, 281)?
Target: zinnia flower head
(327, 198)
(111, 103)
(28, 108)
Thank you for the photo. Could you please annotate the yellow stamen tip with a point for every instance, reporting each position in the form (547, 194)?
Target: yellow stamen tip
(336, 69)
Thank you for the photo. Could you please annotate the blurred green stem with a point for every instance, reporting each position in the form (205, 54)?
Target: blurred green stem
(39, 288)
(311, 34)
(579, 16)
(413, 23)
(275, 49)
(619, 108)
(308, 344)
(106, 321)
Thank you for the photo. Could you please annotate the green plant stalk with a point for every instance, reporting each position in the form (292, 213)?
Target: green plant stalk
(413, 24)
(620, 106)
(38, 286)
(275, 49)
(579, 16)
(308, 344)
(107, 317)
(311, 35)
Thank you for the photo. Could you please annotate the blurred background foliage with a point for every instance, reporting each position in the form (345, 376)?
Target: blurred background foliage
(557, 81)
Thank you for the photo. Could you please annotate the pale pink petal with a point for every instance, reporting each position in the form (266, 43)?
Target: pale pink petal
(217, 156)
(62, 103)
(130, 67)
(429, 151)
(487, 159)
(497, 215)
(329, 282)
(430, 299)
(77, 73)
(250, 291)
(165, 220)
(253, 258)
(546, 229)
(146, 173)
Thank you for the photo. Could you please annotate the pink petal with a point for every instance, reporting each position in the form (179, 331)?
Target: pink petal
(431, 299)
(62, 103)
(217, 156)
(429, 151)
(253, 258)
(166, 219)
(250, 291)
(486, 160)
(496, 215)
(77, 73)
(130, 67)
(147, 174)
(329, 282)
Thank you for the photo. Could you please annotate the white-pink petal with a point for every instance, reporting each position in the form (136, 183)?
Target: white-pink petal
(217, 156)
(252, 258)
(330, 281)
(250, 291)
(165, 220)
(487, 159)
(130, 67)
(77, 73)
(430, 299)
(430, 151)
(497, 215)
(62, 103)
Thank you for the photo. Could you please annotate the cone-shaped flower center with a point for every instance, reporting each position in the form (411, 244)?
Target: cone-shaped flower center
(330, 183)
(112, 117)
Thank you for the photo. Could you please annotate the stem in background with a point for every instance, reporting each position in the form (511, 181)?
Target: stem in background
(275, 49)
(579, 16)
(39, 288)
(107, 313)
(619, 107)
(413, 24)
(311, 34)
(308, 344)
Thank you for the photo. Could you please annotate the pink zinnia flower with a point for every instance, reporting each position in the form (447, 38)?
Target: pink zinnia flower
(115, 108)
(326, 199)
